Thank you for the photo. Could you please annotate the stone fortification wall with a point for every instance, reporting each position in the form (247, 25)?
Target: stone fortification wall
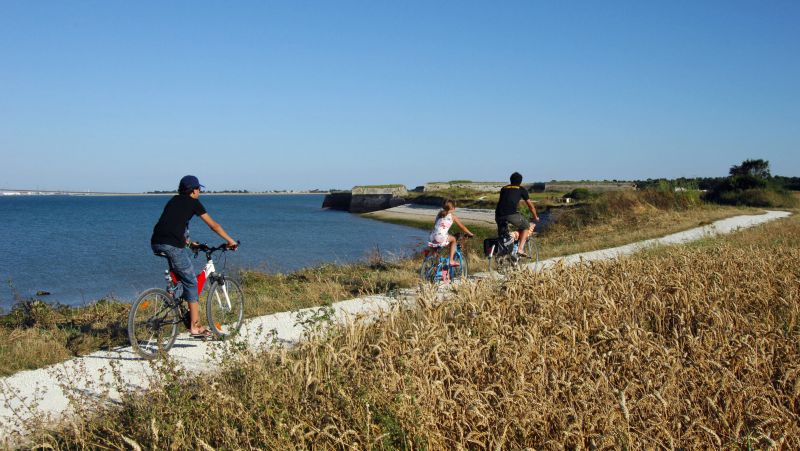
(474, 186)
(394, 190)
(365, 203)
(364, 199)
(337, 200)
(483, 187)
(597, 187)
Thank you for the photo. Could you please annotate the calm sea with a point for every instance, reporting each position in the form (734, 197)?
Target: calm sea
(84, 248)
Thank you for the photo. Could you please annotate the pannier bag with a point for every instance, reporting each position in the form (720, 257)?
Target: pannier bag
(490, 246)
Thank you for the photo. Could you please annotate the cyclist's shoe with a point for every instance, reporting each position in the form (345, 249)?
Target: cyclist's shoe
(523, 254)
(204, 335)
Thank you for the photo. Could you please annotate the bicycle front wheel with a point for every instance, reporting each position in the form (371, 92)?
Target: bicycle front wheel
(153, 323)
(461, 271)
(225, 308)
(532, 249)
(427, 271)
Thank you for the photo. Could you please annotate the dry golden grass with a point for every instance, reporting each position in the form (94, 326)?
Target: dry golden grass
(270, 293)
(695, 347)
(618, 218)
(35, 334)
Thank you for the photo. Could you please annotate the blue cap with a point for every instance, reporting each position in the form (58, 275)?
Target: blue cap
(189, 182)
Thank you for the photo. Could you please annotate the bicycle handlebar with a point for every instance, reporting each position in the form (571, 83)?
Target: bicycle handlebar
(210, 250)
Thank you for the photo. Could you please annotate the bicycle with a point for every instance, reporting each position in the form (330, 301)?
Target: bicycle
(435, 263)
(155, 315)
(504, 250)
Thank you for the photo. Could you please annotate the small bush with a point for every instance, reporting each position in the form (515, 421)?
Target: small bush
(755, 197)
(580, 194)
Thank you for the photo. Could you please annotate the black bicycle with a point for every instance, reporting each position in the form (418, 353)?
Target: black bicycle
(503, 251)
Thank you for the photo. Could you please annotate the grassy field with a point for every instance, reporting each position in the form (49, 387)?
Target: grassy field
(682, 347)
(35, 334)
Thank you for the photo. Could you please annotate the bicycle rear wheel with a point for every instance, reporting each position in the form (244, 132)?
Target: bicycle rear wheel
(225, 308)
(153, 323)
(502, 263)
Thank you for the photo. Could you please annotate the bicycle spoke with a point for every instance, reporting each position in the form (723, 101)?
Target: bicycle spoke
(225, 308)
(152, 323)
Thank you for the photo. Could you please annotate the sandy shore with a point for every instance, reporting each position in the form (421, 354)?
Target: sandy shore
(44, 393)
(427, 213)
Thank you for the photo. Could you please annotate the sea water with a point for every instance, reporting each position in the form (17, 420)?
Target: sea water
(84, 248)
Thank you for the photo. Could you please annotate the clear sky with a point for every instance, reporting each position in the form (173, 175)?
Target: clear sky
(130, 96)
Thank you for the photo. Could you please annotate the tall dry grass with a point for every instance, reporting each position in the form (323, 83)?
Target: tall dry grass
(696, 347)
(617, 218)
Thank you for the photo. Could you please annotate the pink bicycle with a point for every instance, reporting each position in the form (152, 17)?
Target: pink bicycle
(155, 315)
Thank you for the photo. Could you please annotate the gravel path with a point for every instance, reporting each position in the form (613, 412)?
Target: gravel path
(44, 394)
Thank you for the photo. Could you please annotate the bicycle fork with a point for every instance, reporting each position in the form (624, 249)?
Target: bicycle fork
(227, 300)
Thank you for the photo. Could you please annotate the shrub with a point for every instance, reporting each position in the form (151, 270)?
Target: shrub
(580, 194)
(756, 197)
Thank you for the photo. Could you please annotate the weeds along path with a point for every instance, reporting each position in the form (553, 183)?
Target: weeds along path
(31, 398)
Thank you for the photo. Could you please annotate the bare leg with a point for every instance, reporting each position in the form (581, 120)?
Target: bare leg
(452, 240)
(194, 318)
(523, 237)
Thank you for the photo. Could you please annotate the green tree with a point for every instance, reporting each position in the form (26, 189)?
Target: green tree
(753, 168)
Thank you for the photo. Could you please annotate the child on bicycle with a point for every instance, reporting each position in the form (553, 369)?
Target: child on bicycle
(439, 236)
(506, 210)
(171, 237)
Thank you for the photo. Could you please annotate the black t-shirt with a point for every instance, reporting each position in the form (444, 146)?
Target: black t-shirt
(174, 221)
(510, 196)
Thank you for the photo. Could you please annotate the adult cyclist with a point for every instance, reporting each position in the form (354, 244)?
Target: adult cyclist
(506, 210)
(171, 238)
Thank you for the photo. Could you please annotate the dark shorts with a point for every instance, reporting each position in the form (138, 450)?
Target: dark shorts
(517, 220)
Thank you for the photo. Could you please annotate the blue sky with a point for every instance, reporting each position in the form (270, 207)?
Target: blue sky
(130, 96)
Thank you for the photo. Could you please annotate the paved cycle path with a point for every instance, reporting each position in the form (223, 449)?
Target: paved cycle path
(44, 394)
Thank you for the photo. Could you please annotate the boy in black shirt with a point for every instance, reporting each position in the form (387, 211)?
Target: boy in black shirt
(506, 210)
(170, 237)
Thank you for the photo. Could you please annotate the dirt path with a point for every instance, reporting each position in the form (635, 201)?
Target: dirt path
(44, 394)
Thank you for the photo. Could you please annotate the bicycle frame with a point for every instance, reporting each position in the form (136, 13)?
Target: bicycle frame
(204, 275)
(442, 268)
(209, 272)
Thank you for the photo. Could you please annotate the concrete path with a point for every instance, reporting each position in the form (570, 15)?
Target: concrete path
(44, 394)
